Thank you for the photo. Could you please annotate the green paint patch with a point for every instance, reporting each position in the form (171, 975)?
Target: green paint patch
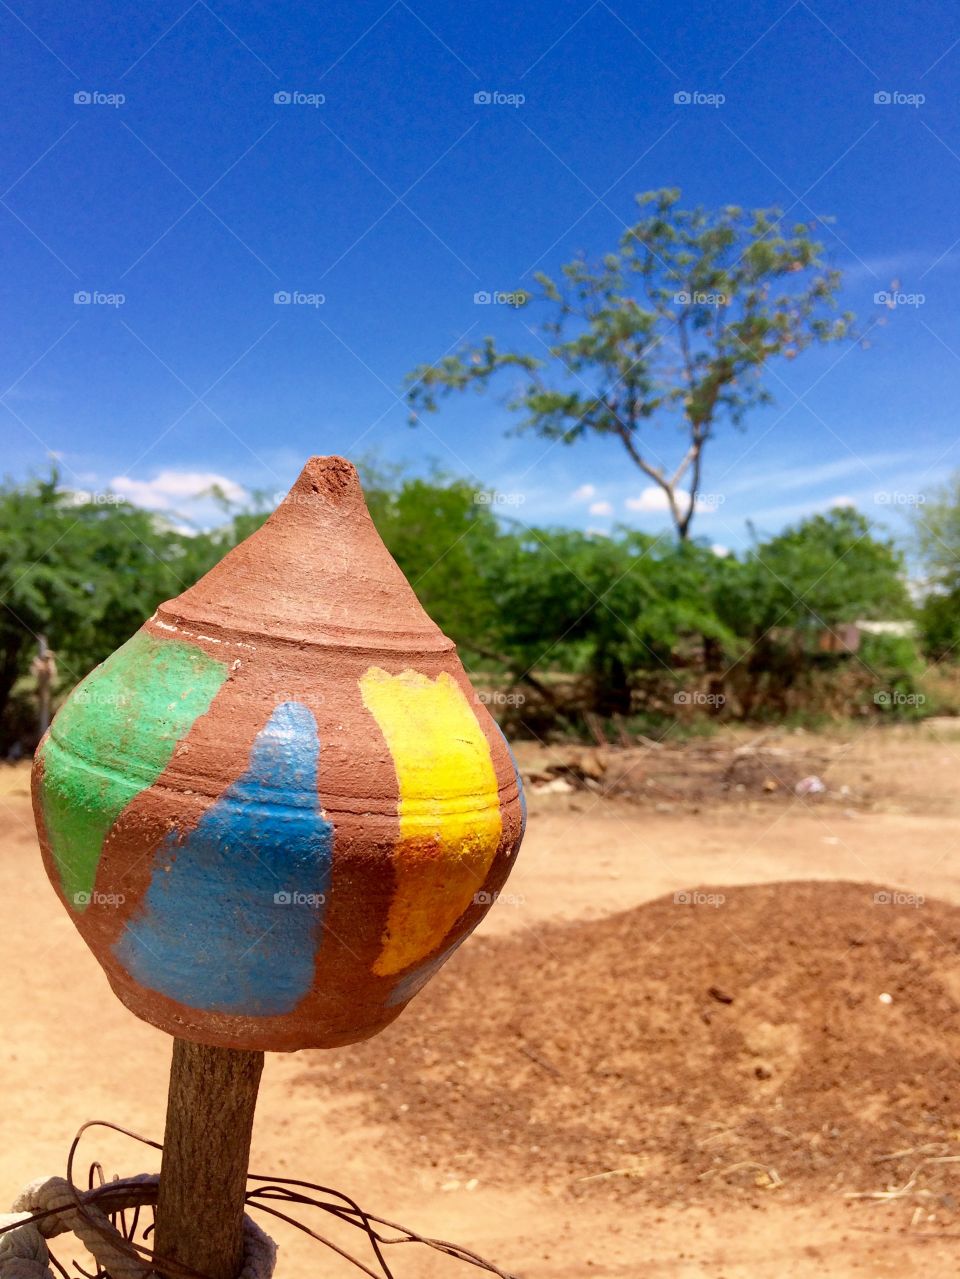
(111, 740)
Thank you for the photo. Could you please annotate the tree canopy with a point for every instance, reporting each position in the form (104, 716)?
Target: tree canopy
(678, 324)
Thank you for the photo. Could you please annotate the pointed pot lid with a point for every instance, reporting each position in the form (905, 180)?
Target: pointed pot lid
(317, 572)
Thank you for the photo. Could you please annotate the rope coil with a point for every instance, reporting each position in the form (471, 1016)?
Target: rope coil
(52, 1207)
(56, 1206)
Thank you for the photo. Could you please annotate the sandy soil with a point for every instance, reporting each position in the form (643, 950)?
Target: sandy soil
(72, 1053)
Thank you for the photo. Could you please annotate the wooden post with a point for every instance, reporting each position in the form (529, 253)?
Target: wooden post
(206, 1150)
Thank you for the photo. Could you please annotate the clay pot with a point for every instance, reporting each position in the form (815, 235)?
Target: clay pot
(278, 809)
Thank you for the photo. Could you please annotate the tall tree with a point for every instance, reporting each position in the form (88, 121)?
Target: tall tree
(936, 528)
(681, 321)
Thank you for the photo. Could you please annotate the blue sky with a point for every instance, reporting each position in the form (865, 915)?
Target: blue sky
(198, 197)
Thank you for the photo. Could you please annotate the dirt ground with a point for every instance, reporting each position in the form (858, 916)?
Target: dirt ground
(641, 1065)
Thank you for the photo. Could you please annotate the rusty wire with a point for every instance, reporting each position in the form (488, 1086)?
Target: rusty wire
(131, 1196)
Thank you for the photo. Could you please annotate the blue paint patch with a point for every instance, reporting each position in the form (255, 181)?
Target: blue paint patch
(233, 916)
(413, 982)
(523, 798)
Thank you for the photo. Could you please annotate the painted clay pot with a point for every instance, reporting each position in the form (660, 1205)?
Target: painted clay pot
(279, 808)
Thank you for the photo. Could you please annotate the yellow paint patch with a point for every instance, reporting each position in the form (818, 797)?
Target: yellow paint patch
(449, 808)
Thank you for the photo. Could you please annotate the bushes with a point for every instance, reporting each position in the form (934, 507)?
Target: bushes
(621, 625)
(84, 574)
(940, 626)
(899, 670)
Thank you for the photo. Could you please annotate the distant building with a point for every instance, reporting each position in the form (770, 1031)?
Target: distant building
(904, 630)
(845, 637)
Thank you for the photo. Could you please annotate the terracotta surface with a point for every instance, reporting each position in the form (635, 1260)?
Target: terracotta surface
(277, 809)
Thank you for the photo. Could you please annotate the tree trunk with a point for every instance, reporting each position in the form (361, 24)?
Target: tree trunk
(613, 692)
(206, 1150)
(9, 670)
(713, 667)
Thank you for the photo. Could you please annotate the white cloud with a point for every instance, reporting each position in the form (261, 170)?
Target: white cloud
(601, 508)
(655, 499)
(908, 263)
(720, 551)
(585, 492)
(651, 499)
(170, 487)
(793, 476)
(778, 515)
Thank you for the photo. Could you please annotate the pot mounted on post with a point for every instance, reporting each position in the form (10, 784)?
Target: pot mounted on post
(278, 809)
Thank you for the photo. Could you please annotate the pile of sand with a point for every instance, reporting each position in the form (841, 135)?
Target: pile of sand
(782, 1036)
